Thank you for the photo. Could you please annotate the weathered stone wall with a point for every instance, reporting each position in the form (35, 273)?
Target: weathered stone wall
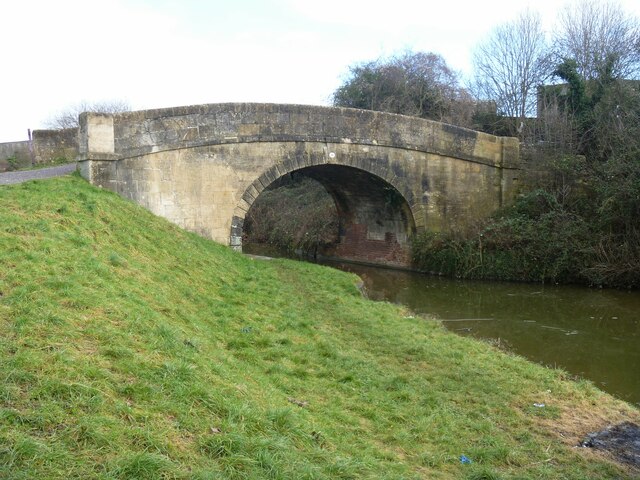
(47, 146)
(14, 150)
(203, 167)
(52, 145)
(150, 131)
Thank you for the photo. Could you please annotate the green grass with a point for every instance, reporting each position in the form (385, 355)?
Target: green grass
(130, 349)
(53, 163)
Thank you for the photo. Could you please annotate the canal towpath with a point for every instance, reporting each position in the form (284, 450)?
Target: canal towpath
(9, 178)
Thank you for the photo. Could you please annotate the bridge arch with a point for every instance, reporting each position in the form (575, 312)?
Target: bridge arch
(376, 221)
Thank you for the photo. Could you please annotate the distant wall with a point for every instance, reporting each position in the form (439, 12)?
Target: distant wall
(47, 146)
(50, 145)
(17, 150)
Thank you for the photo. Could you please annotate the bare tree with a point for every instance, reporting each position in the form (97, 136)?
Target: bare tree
(68, 118)
(599, 35)
(510, 65)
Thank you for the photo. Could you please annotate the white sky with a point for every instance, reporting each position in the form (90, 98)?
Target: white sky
(163, 53)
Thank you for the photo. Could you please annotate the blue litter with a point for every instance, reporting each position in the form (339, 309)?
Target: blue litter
(465, 459)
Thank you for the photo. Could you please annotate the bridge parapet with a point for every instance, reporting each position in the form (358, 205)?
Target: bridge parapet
(151, 131)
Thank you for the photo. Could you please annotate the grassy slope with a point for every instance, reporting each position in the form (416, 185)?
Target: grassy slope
(131, 349)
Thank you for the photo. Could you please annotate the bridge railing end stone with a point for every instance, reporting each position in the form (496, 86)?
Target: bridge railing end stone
(95, 134)
(96, 148)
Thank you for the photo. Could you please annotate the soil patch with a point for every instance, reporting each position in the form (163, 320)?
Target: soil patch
(622, 441)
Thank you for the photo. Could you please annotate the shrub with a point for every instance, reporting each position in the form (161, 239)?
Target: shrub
(13, 162)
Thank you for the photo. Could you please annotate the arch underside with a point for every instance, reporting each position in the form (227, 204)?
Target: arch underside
(375, 220)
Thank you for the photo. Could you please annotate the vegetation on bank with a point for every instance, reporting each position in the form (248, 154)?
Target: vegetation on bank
(541, 239)
(130, 349)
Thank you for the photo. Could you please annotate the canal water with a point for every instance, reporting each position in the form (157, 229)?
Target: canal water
(594, 334)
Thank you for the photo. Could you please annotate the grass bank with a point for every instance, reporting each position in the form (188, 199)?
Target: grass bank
(130, 349)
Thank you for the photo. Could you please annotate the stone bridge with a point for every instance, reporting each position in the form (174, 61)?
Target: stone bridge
(202, 167)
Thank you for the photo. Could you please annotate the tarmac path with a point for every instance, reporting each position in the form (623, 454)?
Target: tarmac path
(8, 178)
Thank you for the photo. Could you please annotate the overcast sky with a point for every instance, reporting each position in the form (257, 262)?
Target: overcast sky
(163, 53)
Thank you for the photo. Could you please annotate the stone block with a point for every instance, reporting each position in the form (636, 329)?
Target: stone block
(96, 133)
